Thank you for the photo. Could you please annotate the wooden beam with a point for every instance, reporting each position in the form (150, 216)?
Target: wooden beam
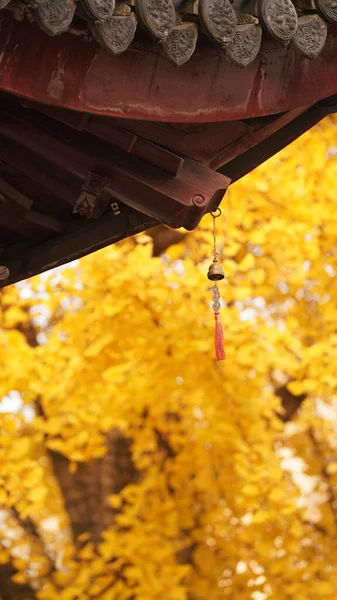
(49, 226)
(33, 225)
(36, 169)
(179, 201)
(106, 130)
(13, 203)
(268, 126)
(255, 156)
(81, 238)
(198, 141)
(16, 215)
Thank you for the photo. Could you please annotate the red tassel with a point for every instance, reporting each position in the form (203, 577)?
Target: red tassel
(219, 339)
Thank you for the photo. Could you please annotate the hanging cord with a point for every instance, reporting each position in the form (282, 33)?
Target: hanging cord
(215, 216)
(216, 273)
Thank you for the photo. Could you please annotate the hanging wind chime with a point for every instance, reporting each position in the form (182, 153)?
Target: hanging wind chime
(216, 273)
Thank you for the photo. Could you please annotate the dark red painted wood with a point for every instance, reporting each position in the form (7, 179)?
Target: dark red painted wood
(179, 201)
(121, 138)
(80, 239)
(141, 84)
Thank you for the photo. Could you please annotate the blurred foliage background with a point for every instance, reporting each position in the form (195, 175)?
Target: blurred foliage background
(134, 467)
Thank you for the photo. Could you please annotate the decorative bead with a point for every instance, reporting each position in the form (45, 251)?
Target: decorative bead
(216, 299)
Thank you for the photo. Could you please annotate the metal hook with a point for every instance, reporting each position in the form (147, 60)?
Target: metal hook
(216, 214)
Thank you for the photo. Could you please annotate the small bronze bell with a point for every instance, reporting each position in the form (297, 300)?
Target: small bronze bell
(216, 272)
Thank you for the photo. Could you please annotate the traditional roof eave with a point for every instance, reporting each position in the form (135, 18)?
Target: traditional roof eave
(235, 27)
(72, 183)
(84, 160)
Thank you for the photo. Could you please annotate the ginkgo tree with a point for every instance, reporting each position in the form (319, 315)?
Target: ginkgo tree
(134, 467)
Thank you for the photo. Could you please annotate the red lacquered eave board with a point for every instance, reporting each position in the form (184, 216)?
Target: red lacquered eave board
(142, 84)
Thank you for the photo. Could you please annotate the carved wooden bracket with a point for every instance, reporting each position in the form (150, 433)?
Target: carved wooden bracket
(87, 202)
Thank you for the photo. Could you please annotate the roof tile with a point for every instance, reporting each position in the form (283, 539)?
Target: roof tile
(177, 24)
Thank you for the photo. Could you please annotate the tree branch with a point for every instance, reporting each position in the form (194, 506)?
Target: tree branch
(10, 590)
(324, 472)
(290, 403)
(163, 237)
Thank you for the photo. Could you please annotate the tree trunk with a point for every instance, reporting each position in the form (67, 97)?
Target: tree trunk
(86, 492)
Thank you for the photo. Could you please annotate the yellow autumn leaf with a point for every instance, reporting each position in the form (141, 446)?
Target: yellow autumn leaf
(20, 448)
(331, 468)
(19, 578)
(251, 490)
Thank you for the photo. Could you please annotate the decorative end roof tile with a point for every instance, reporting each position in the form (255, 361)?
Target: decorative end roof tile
(236, 27)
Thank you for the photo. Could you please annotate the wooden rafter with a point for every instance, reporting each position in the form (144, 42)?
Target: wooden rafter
(72, 183)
